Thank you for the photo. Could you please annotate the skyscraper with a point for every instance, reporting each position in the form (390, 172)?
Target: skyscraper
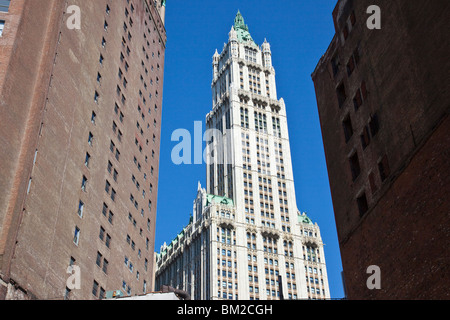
(383, 100)
(246, 238)
(81, 97)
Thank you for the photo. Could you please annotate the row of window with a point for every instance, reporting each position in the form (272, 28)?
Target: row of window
(114, 149)
(370, 129)
(254, 79)
(97, 290)
(139, 145)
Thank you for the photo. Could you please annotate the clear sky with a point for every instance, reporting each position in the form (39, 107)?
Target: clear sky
(299, 32)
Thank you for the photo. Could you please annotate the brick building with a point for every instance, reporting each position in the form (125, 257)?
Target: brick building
(383, 97)
(80, 113)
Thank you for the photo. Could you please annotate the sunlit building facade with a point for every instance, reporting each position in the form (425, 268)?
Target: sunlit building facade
(246, 239)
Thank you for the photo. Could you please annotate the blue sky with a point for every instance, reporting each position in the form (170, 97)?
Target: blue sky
(299, 32)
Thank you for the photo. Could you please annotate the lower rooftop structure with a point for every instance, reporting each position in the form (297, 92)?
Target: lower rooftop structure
(215, 257)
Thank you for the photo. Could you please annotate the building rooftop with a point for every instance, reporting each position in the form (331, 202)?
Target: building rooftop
(303, 218)
(211, 199)
(241, 29)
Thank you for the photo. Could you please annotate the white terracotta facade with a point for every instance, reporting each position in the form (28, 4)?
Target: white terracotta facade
(248, 241)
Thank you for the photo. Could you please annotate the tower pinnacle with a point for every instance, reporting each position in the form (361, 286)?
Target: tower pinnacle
(242, 29)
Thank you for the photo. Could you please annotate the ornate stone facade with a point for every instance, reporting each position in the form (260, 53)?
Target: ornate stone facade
(257, 245)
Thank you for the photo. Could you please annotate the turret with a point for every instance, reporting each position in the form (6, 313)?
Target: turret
(267, 54)
(233, 38)
(216, 59)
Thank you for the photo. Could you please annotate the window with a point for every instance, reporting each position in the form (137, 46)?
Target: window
(345, 32)
(105, 209)
(365, 138)
(4, 5)
(110, 217)
(341, 95)
(354, 166)
(362, 204)
(107, 186)
(102, 293)
(364, 90)
(2, 26)
(84, 183)
(348, 128)
(244, 118)
(87, 160)
(93, 117)
(353, 18)
(80, 209)
(105, 266)
(67, 294)
(108, 241)
(383, 168)
(372, 183)
(95, 288)
(91, 138)
(374, 125)
(99, 259)
(102, 233)
(357, 100)
(76, 237)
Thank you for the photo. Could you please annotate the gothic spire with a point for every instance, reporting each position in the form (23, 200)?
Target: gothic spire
(242, 29)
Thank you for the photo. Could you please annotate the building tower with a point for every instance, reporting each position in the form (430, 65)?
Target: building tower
(246, 239)
(80, 120)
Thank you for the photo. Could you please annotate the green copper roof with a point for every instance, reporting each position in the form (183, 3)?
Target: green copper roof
(174, 241)
(219, 200)
(241, 29)
(303, 218)
(163, 3)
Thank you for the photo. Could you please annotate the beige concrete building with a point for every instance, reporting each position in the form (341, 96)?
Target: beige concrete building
(247, 239)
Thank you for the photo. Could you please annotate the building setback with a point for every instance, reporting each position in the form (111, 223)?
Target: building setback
(246, 239)
(80, 114)
(383, 98)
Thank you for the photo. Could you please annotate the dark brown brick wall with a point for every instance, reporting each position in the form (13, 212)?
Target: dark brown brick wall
(407, 233)
(40, 244)
(401, 72)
